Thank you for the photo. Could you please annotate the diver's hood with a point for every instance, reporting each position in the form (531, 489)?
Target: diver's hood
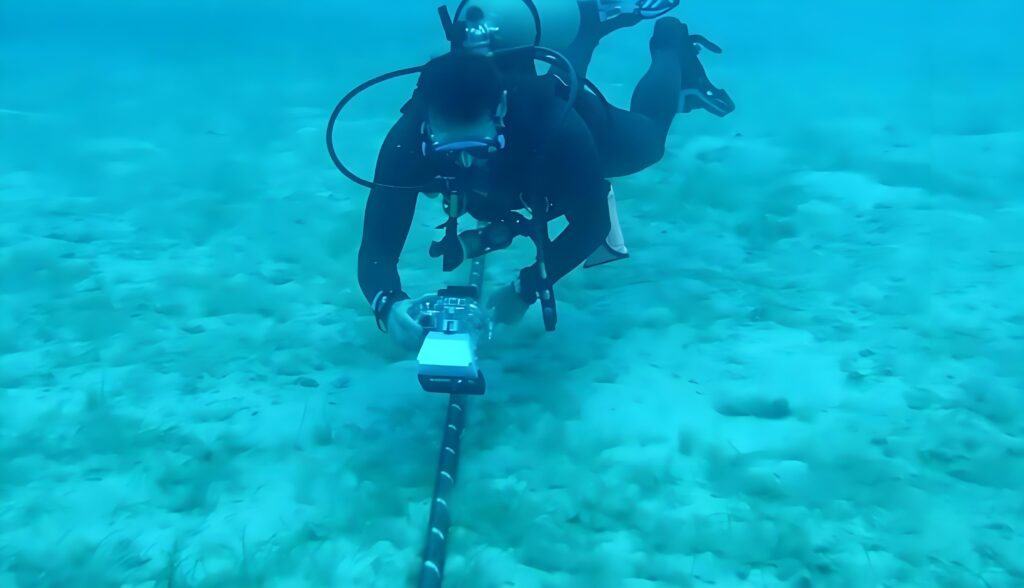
(507, 24)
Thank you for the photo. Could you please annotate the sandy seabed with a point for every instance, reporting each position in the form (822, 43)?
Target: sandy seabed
(809, 373)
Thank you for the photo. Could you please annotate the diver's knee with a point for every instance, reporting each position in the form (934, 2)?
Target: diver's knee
(654, 154)
(646, 155)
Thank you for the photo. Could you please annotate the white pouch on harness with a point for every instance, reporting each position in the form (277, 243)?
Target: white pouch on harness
(614, 246)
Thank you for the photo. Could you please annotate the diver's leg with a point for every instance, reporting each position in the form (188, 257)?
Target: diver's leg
(593, 28)
(675, 81)
(656, 95)
(632, 140)
(627, 142)
(673, 48)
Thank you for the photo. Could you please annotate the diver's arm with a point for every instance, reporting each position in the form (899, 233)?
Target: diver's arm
(386, 225)
(577, 189)
(389, 214)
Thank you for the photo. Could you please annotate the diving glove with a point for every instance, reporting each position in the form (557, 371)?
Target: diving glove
(403, 327)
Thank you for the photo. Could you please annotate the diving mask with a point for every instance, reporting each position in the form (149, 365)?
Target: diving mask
(465, 145)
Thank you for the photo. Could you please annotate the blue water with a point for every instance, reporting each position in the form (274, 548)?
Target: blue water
(809, 373)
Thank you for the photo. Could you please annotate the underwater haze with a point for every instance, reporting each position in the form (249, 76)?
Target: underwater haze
(810, 372)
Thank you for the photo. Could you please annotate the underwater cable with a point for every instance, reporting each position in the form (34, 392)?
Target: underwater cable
(439, 521)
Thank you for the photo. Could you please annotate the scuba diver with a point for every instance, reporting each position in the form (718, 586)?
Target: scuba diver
(505, 139)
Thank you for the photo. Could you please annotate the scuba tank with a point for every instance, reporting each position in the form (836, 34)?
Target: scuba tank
(553, 24)
(505, 24)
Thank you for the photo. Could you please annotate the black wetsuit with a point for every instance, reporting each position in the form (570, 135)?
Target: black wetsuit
(596, 141)
(541, 159)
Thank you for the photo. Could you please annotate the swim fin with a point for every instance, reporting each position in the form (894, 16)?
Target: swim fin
(698, 91)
